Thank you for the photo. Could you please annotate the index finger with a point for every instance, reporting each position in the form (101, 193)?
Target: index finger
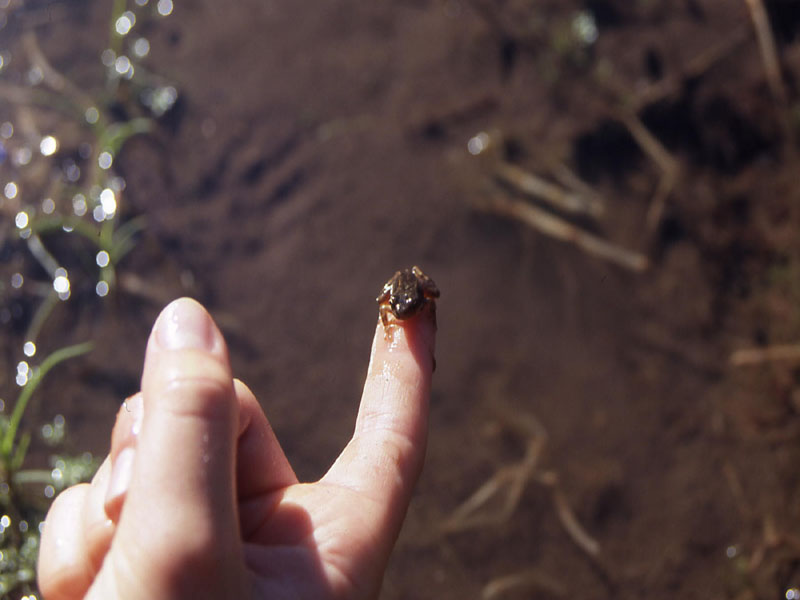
(383, 460)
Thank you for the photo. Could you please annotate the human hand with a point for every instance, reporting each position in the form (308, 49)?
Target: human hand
(197, 500)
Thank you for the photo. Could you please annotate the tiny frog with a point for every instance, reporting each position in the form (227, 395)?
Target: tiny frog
(406, 294)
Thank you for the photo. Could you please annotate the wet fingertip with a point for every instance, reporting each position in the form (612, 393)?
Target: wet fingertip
(416, 335)
(185, 324)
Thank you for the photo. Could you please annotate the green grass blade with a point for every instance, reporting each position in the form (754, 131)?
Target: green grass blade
(25, 395)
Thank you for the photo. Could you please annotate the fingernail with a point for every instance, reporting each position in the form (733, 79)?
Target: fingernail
(185, 324)
(121, 473)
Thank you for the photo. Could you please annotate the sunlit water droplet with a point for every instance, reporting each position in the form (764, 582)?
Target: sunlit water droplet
(91, 115)
(48, 145)
(79, 205)
(108, 202)
(164, 7)
(72, 172)
(478, 143)
(585, 27)
(61, 284)
(141, 47)
(22, 156)
(108, 57)
(117, 184)
(35, 75)
(125, 23)
(21, 220)
(122, 65)
(104, 160)
(160, 100)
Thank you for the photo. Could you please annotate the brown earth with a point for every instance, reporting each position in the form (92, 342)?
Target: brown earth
(318, 147)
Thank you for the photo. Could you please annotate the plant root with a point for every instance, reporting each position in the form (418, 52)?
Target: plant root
(528, 579)
(557, 228)
(769, 51)
(759, 356)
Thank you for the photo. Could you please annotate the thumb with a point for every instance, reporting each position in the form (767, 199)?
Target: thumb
(178, 532)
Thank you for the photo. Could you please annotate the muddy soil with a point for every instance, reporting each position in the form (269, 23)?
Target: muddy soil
(317, 147)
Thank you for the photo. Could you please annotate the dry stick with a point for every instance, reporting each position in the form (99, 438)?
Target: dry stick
(571, 525)
(556, 196)
(694, 68)
(658, 91)
(569, 179)
(567, 518)
(514, 477)
(768, 49)
(529, 579)
(757, 356)
(517, 476)
(663, 159)
(562, 230)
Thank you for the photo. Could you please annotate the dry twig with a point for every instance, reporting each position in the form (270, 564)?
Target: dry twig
(553, 226)
(661, 157)
(571, 524)
(696, 67)
(757, 356)
(529, 579)
(473, 512)
(569, 179)
(768, 49)
(513, 478)
(568, 201)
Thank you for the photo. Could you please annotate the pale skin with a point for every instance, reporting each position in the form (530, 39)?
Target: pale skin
(196, 499)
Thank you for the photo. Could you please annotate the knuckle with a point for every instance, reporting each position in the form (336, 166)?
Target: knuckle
(197, 396)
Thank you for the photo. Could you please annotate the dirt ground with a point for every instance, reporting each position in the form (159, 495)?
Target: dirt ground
(317, 147)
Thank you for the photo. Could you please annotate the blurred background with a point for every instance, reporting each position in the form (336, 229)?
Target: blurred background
(605, 192)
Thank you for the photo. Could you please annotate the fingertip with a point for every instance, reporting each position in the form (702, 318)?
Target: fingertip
(179, 473)
(64, 569)
(414, 338)
(185, 323)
